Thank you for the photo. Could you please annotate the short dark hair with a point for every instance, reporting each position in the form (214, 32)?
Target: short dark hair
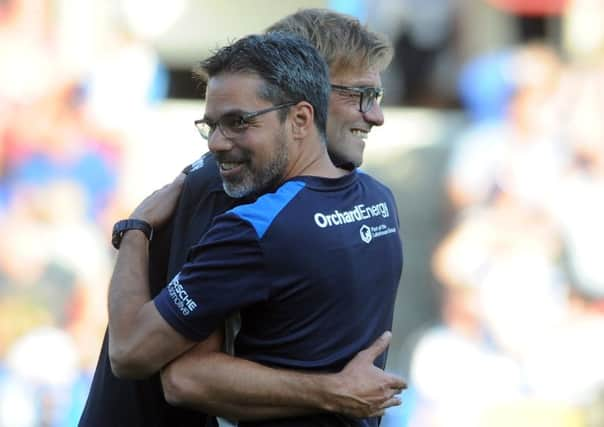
(291, 68)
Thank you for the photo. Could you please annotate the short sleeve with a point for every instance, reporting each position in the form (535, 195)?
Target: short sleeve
(225, 274)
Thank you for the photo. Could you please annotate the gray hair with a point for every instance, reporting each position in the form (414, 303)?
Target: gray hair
(291, 68)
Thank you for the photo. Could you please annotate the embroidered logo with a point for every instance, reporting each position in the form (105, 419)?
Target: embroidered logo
(365, 234)
(180, 296)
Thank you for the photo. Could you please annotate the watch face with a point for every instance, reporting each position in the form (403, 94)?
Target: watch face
(116, 236)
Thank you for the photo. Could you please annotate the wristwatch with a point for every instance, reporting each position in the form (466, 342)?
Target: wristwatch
(124, 225)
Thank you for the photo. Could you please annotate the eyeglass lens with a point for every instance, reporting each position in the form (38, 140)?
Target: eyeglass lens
(369, 96)
(233, 124)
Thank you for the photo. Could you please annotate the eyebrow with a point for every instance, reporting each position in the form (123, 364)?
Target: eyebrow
(359, 87)
(236, 111)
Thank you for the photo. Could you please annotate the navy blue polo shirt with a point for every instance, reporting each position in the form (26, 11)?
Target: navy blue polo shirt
(313, 268)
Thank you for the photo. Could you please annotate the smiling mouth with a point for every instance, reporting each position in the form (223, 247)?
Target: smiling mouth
(360, 133)
(227, 166)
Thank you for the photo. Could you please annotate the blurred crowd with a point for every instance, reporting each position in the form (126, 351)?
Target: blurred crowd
(521, 336)
(62, 159)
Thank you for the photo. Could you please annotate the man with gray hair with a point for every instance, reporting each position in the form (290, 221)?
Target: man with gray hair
(202, 379)
(265, 121)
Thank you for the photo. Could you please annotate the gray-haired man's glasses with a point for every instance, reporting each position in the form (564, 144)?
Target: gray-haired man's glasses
(368, 96)
(233, 124)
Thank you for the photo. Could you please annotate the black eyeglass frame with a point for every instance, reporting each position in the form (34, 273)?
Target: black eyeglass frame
(369, 95)
(206, 129)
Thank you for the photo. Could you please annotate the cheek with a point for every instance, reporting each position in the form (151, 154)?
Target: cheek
(341, 114)
(265, 145)
(337, 108)
(334, 133)
(335, 119)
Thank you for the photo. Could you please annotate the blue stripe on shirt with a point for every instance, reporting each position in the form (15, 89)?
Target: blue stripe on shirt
(263, 211)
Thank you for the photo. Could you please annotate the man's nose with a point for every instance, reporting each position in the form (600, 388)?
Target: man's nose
(375, 115)
(217, 142)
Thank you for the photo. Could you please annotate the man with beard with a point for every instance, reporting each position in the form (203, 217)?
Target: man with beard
(202, 379)
(312, 266)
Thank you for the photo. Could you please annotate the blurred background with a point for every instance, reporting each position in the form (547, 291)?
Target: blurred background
(493, 146)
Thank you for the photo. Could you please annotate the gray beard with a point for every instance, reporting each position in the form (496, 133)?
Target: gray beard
(255, 183)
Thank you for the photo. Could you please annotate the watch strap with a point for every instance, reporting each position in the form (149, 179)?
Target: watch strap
(124, 225)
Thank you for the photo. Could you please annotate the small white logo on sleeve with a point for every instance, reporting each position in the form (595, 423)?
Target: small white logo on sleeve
(365, 234)
(180, 297)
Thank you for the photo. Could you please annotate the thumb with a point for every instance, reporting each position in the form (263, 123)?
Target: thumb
(379, 345)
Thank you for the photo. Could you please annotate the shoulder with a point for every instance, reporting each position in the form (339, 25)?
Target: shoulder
(372, 181)
(261, 213)
(203, 186)
(366, 177)
(203, 173)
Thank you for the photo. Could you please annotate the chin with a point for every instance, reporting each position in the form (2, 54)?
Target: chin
(235, 191)
(356, 159)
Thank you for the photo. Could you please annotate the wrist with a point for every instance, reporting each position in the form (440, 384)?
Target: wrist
(132, 224)
(133, 236)
(329, 389)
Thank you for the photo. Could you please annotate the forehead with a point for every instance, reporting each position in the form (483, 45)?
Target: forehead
(228, 92)
(359, 78)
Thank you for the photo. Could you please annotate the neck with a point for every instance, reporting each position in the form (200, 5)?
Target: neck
(315, 163)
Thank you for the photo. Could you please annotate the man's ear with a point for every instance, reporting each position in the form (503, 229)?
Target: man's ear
(302, 121)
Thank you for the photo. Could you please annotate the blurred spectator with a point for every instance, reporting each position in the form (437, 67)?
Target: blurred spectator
(47, 283)
(25, 50)
(525, 181)
(424, 39)
(50, 140)
(456, 389)
(486, 86)
(58, 173)
(126, 80)
(44, 364)
(579, 207)
(508, 328)
(583, 32)
(517, 155)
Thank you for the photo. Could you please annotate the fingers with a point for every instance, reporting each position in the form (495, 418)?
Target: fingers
(379, 346)
(393, 401)
(158, 207)
(372, 408)
(397, 383)
(381, 410)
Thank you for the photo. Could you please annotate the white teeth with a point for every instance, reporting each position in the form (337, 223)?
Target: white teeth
(228, 166)
(359, 133)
